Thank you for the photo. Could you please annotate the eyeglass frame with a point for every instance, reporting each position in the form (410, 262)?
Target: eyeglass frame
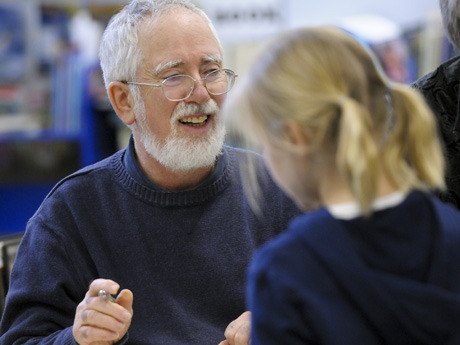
(228, 72)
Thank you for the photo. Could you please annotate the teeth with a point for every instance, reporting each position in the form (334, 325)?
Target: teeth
(199, 119)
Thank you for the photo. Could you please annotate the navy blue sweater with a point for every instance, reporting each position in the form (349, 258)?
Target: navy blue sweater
(393, 278)
(183, 254)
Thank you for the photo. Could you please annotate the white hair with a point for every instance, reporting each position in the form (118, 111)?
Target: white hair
(450, 12)
(119, 52)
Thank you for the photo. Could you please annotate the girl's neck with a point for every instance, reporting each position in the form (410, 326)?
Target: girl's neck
(334, 191)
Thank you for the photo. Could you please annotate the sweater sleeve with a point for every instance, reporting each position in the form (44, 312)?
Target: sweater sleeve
(43, 294)
(277, 312)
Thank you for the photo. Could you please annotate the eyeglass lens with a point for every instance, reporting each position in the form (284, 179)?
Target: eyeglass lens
(180, 87)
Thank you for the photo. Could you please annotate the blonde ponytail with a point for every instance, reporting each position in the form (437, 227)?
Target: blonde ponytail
(357, 152)
(413, 155)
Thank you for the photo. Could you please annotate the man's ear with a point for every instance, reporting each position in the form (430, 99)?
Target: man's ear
(122, 101)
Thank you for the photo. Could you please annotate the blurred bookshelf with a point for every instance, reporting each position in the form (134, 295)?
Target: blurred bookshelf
(405, 52)
(54, 114)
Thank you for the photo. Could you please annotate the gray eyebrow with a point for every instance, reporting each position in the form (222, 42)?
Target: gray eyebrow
(163, 66)
(213, 58)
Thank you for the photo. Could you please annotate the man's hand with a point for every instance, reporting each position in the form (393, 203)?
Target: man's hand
(238, 332)
(99, 321)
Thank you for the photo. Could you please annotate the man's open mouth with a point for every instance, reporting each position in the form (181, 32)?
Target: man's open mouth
(194, 121)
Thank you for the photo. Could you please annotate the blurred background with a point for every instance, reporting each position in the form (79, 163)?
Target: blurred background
(54, 113)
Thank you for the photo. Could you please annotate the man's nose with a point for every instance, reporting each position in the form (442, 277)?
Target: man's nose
(200, 93)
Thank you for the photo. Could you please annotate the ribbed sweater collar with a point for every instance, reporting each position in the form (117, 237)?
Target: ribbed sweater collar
(145, 190)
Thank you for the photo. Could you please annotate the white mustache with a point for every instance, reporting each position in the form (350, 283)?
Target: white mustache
(185, 109)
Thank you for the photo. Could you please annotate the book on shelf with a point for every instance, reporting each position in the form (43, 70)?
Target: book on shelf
(67, 92)
(13, 43)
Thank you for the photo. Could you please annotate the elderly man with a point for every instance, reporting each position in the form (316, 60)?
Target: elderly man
(151, 245)
(442, 92)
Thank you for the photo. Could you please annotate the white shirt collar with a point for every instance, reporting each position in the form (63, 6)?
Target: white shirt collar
(351, 210)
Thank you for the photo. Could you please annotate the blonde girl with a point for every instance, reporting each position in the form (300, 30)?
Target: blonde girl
(377, 261)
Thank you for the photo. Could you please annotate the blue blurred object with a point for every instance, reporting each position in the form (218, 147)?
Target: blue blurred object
(12, 43)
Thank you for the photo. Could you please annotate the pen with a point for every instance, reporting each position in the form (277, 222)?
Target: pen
(105, 296)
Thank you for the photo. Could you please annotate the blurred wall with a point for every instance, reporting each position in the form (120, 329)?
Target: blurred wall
(239, 20)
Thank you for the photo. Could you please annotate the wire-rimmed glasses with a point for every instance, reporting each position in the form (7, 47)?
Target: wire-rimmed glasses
(179, 87)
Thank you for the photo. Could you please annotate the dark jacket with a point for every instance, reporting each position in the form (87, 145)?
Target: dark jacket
(392, 278)
(441, 91)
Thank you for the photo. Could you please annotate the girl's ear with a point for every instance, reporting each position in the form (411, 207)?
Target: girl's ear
(296, 134)
(122, 101)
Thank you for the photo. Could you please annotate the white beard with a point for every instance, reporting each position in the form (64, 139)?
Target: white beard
(183, 154)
